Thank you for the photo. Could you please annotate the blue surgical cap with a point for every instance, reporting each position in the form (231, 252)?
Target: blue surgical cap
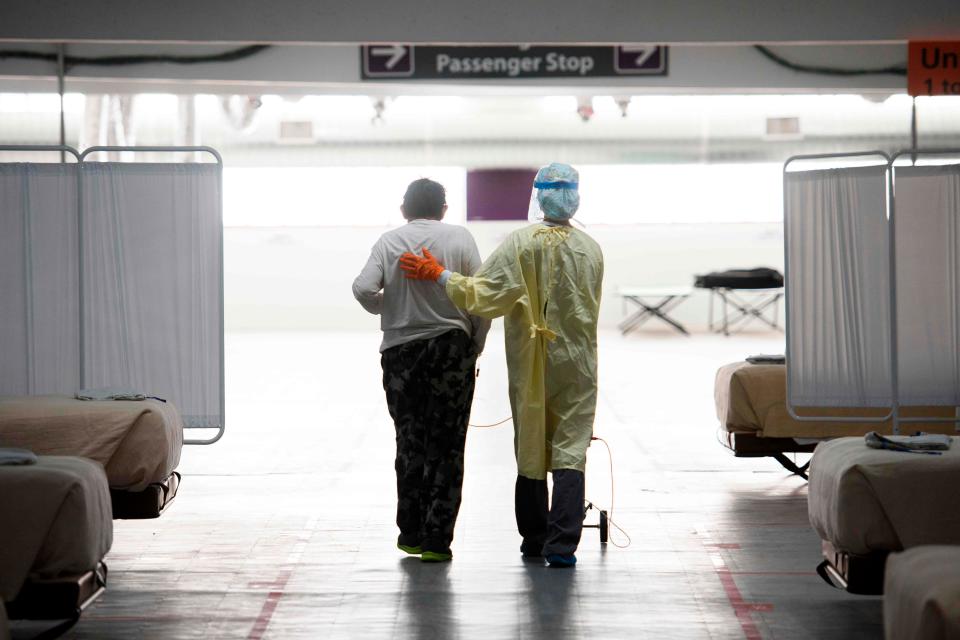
(557, 192)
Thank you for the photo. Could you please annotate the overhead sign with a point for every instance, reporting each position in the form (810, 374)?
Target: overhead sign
(386, 62)
(933, 69)
(641, 60)
(393, 61)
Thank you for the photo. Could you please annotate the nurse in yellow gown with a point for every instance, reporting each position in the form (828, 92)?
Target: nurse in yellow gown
(545, 280)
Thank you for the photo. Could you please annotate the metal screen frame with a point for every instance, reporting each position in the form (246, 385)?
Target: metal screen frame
(914, 154)
(894, 413)
(791, 410)
(63, 149)
(81, 158)
(219, 161)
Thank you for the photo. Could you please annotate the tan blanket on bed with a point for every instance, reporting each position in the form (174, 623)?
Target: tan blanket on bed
(921, 598)
(56, 520)
(137, 442)
(752, 398)
(864, 500)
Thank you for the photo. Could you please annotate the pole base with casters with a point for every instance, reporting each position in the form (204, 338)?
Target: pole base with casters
(603, 525)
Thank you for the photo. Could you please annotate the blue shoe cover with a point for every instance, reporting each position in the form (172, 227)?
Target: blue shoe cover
(557, 560)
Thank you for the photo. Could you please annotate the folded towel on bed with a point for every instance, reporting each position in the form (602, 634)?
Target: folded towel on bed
(931, 443)
(110, 393)
(17, 456)
(114, 393)
(763, 358)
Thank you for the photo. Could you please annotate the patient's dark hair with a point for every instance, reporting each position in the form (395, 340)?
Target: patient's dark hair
(424, 199)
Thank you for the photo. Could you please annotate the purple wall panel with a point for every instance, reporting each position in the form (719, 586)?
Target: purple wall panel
(499, 194)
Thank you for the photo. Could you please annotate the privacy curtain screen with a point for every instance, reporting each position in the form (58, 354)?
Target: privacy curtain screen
(927, 227)
(39, 297)
(137, 303)
(838, 287)
(152, 282)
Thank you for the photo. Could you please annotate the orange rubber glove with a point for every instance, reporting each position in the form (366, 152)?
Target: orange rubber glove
(417, 268)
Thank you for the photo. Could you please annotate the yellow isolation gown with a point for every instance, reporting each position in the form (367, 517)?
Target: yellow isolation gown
(546, 282)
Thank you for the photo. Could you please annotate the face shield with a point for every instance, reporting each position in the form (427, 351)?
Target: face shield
(555, 193)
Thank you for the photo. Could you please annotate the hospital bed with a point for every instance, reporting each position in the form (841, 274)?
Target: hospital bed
(867, 503)
(922, 594)
(52, 550)
(138, 443)
(750, 406)
(754, 420)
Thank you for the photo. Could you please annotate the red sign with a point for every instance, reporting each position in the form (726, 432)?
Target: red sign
(933, 69)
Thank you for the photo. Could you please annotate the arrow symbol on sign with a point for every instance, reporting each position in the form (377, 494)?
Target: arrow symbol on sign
(396, 53)
(645, 53)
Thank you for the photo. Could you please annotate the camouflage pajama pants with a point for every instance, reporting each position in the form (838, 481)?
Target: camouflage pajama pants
(429, 386)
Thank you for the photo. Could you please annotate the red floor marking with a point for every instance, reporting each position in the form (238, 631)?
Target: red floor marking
(741, 609)
(280, 583)
(266, 612)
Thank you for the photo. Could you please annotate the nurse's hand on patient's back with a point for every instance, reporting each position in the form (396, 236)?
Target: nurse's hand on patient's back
(417, 268)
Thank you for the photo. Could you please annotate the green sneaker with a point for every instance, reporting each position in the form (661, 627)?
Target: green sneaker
(433, 556)
(413, 551)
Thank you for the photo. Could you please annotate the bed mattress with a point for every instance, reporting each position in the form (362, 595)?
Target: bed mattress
(752, 398)
(922, 594)
(864, 500)
(62, 525)
(138, 443)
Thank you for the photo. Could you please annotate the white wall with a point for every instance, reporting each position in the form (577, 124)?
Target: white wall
(300, 278)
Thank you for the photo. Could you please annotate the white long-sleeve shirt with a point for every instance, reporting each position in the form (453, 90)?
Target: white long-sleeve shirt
(413, 309)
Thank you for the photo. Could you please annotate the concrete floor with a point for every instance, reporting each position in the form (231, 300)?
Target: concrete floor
(284, 529)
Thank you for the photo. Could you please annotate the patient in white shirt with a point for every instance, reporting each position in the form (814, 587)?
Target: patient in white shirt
(428, 356)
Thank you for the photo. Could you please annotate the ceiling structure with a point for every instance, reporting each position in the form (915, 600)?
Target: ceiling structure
(309, 53)
(306, 46)
(467, 21)
(336, 69)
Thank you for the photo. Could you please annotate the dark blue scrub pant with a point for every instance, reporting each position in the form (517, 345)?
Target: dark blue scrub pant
(554, 530)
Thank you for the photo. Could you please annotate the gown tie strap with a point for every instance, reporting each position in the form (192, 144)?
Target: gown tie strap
(544, 330)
